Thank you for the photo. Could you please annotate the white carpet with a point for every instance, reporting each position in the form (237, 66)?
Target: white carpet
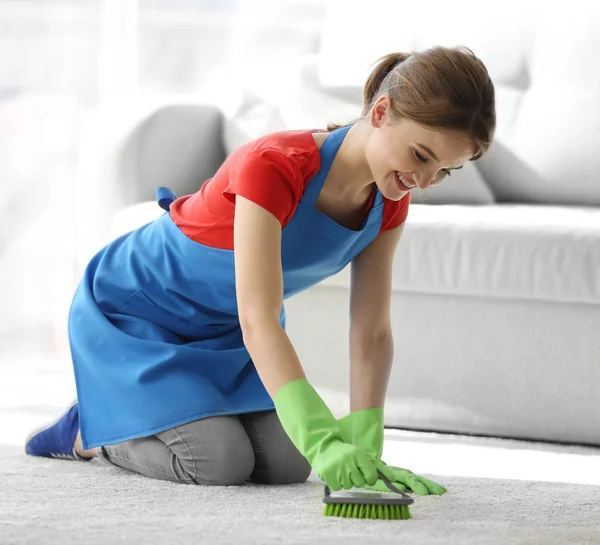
(499, 491)
(60, 502)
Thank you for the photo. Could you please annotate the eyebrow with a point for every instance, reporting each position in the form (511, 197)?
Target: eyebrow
(434, 156)
(428, 150)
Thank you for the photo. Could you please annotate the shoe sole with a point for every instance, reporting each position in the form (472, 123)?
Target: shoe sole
(46, 426)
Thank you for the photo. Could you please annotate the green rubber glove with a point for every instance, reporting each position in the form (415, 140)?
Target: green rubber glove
(317, 435)
(415, 483)
(364, 429)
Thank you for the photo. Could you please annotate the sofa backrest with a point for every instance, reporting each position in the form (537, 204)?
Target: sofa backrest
(543, 59)
(179, 146)
(130, 148)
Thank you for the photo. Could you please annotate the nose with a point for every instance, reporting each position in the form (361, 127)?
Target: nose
(425, 178)
(423, 181)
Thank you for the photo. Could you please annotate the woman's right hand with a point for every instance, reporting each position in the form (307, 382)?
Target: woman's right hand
(341, 465)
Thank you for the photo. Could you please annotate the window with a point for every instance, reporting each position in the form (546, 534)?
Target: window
(59, 59)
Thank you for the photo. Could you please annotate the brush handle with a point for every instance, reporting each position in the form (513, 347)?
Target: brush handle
(386, 482)
(391, 486)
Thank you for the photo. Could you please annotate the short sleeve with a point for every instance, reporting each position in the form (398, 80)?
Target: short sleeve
(268, 178)
(395, 213)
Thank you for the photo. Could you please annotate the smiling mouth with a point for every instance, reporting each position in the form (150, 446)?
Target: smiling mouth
(403, 183)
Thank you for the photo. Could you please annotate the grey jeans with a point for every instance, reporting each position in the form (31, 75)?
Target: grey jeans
(219, 450)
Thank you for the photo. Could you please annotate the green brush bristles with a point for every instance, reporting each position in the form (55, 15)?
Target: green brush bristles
(360, 511)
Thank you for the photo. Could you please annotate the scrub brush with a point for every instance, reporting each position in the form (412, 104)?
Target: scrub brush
(368, 505)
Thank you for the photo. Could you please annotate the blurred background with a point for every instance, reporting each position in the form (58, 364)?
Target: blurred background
(60, 60)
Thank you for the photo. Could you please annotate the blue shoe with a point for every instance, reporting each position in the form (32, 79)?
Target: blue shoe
(56, 440)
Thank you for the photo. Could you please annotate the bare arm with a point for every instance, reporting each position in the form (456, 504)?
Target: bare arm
(371, 340)
(259, 287)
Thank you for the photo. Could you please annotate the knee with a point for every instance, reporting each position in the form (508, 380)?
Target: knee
(213, 451)
(290, 473)
(281, 466)
(228, 463)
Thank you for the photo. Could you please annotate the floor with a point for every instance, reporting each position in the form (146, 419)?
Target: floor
(500, 491)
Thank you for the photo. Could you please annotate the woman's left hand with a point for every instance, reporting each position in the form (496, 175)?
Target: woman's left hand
(405, 480)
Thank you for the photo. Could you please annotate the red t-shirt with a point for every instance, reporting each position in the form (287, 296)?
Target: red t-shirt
(272, 172)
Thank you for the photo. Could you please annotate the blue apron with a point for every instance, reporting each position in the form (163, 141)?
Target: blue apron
(154, 329)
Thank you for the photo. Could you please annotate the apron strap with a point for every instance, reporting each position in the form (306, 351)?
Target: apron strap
(328, 152)
(378, 198)
(165, 197)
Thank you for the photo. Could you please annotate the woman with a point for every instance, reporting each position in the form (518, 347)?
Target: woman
(183, 367)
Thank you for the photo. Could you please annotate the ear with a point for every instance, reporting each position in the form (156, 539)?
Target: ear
(379, 111)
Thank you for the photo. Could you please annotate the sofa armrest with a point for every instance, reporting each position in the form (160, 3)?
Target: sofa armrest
(128, 150)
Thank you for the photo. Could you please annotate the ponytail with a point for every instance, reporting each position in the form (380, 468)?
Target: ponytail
(384, 66)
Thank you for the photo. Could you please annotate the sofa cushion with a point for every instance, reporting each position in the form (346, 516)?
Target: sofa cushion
(502, 251)
(465, 186)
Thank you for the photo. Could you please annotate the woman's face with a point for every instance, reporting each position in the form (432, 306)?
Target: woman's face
(403, 155)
